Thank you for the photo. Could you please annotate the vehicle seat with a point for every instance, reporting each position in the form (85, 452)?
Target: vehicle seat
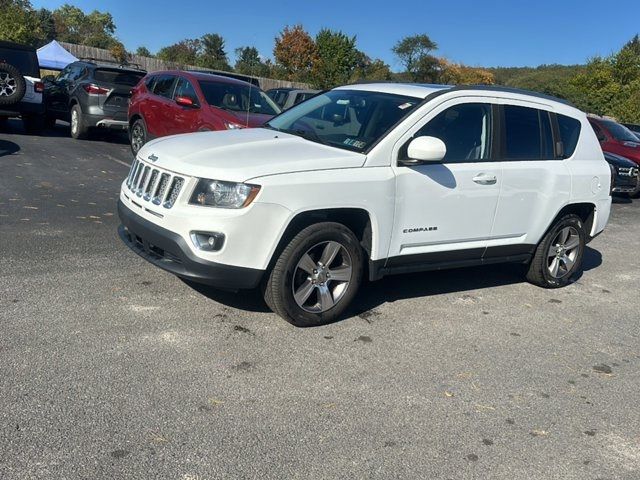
(230, 101)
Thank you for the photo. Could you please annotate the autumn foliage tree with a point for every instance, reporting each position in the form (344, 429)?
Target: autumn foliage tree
(458, 74)
(295, 53)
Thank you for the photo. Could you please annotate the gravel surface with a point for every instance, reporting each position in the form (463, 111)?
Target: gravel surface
(111, 368)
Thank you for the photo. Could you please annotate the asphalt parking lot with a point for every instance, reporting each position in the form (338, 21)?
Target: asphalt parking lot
(111, 368)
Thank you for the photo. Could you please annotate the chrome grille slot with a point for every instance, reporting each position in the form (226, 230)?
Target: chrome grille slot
(163, 183)
(150, 184)
(136, 177)
(143, 180)
(173, 192)
(132, 172)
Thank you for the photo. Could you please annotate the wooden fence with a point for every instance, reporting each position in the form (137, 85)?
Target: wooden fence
(155, 64)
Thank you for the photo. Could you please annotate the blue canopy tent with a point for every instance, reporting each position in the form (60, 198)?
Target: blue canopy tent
(53, 56)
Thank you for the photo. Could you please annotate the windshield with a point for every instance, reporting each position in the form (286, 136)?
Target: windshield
(238, 98)
(119, 77)
(620, 132)
(349, 119)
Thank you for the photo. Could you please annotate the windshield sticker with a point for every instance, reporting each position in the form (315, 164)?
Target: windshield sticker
(405, 105)
(354, 143)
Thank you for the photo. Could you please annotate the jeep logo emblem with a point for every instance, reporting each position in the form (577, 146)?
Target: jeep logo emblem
(152, 157)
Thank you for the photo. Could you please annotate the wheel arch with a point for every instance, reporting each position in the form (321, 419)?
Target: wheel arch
(357, 219)
(585, 210)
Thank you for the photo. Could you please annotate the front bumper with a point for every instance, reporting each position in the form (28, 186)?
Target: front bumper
(169, 251)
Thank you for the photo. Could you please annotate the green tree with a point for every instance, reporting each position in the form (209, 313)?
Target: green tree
(95, 29)
(212, 54)
(46, 26)
(185, 52)
(295, 53)
(248, 62)
(143, 52)
(337, 58)
(18, 22)
(368, 70)
(415, 54)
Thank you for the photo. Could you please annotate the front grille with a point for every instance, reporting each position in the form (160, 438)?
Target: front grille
(628, 171)
(154, 185)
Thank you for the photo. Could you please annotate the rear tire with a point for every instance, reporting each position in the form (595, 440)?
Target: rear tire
(558, 256)
(79, 130)
(137, 136)
(316, 276)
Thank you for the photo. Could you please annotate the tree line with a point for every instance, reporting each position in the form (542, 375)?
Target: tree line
(605, 85)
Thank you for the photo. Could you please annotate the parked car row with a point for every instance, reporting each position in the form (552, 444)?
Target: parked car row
(622, 151)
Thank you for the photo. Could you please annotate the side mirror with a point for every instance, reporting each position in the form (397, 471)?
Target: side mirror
(425, 149)
(186, 102)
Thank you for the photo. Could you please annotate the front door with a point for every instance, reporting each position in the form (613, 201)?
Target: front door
(445, 211)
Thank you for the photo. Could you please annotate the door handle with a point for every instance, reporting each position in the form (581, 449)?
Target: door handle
(484, 179)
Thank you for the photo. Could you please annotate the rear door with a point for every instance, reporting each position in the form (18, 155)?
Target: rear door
(535, 177)
(159, 108)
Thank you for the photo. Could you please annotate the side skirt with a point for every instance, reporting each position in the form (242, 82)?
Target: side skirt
(449, 260)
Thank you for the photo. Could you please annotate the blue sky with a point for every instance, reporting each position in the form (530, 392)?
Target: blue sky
(477, 33)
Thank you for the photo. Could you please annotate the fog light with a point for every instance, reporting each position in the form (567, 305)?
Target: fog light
(208, 241)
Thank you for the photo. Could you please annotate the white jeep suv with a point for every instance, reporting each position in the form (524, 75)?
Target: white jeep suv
(375, 178)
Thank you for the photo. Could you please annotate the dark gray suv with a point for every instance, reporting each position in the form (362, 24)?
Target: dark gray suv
(89, 94)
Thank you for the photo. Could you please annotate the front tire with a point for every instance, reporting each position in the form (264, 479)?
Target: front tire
(137, 136)
(558, 256)
(316, 276)
(79, 130)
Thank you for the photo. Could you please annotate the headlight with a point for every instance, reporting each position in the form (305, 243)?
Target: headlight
(233, 126)
(213, 193)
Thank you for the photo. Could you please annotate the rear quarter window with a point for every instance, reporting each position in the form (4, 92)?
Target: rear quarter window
(569, 134)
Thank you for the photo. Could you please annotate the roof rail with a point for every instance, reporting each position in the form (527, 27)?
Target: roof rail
(135, 66)
(521, 91)
(238, 76)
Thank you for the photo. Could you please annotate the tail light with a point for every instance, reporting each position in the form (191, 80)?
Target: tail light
(613, 178)
(95, 90)
(38, 87)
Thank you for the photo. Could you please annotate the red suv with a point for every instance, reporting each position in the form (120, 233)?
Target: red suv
(616, 138)
(172, 102)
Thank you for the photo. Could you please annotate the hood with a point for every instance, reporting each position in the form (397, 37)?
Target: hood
(618, 161)
(240, 155)
(251, 119)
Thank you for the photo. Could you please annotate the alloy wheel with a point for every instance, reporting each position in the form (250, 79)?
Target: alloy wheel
(8, 85)
(563, 252)
(322, 277)
(137, 137)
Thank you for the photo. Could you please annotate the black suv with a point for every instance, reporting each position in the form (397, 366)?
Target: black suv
(91, 93)
(20, 85)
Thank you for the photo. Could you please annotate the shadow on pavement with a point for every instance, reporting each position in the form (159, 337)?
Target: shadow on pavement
(400, 287)
(61, 130)
(8, 148)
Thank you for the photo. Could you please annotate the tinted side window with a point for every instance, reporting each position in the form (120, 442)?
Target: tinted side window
(569, 134)
(185, 89)
(465, 130)
(522, 133)
(149, 81)
(164, 86)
